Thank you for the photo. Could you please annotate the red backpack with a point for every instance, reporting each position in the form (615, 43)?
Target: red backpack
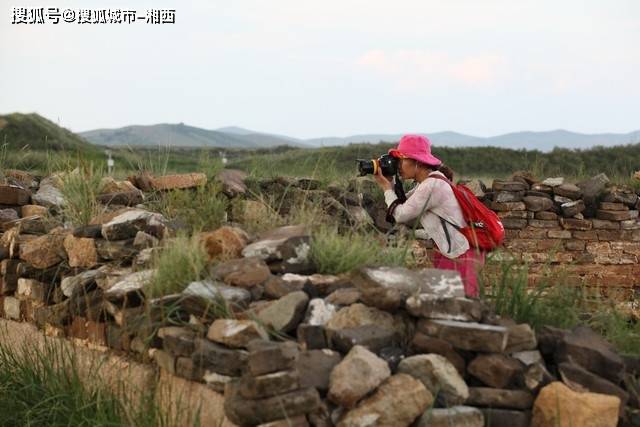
(484, 230)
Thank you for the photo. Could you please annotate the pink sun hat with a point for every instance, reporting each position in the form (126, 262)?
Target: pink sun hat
(416, 147)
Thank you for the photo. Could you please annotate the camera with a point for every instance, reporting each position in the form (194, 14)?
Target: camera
(386, 163)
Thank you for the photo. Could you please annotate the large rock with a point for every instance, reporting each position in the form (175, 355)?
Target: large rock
(357, 315)
(285, 249)
(579, 379)
(268, 385)
(217, 358)
(496, 370)
(499, 398)
(175, 182)
(538, 204)
(44, 251)
(130, 286)
(521, 338)
(439, 376)
(359, 373)
(387, 288)
(248, 273)
(422, 343)
(207, 294)
(315, 367)
(71, 284)
(373, 337)
(127, 225)
(559, 406)
(266, 357)
(81, 251)
(433, 307)
(232, 182)
(13, 195)
(243, 411)
(457, 416)
(49, 196)
(285, 314)
(399, 401)
(224, 243)
(467, 335)
(235, 333)
(568, 190)
(588, 349)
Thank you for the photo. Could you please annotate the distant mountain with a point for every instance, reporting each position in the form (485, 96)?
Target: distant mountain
(543, 141)
(33, 132)
(181, 135)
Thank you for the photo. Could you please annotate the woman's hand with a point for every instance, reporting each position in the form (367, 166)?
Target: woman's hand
(382, 181)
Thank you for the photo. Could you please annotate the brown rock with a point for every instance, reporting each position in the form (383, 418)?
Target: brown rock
(537, 204)
(424, 344)
(499, 398)
(438, 375)
(33, 210)
(457, 416)
(44, 251)
(81, 251)
(342, 297)
(254, 412)
(540, 223)
(559, 406)
(576, 224)
(546, 215)
(496, 370)
(521, 338)
(286, 313)
(610, 206)
(467, 335)
(506, 417)
(224, 243)
(508, 206)
(232, 181)
(568, 190)
(499, 185)
(247, 273)
(268, 356)
(359, 373)
(614, 215)
(174, 182)
(14, 195)
(399, 401)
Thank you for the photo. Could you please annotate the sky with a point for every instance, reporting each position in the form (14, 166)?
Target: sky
(308, 68)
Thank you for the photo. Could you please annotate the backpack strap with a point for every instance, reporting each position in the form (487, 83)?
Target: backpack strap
(443, 220)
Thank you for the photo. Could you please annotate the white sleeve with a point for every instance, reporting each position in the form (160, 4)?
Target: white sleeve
(419, 202)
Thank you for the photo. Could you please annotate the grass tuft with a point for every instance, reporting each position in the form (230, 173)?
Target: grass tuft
(80, 189)
(180, 262)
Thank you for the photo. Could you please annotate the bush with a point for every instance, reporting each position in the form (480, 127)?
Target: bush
(80, 189)
(203, 208)
(334, 253)
(180, 262)
(42, 385)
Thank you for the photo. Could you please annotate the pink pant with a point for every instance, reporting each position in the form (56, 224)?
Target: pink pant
(468, 264)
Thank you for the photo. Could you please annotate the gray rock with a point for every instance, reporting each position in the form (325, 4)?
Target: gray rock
(70, 284)
(496, 370)
(553, 182)
(467, 335)
(521, 338)
(499, 398)
(127, 225)
(285, 314)
(315, 367)
(213, 357)
(129, 285)
(359, 373)
(285, 249)
(235, 333)
(268, 385)
(537, 203)
(438, 375)
(49, 196)
(269, 356)
(373, 337)
(319, 312)
(432, 307)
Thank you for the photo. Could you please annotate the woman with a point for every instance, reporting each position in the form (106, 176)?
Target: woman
(440, 212)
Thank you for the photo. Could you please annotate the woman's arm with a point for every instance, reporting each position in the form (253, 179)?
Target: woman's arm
(414, 206)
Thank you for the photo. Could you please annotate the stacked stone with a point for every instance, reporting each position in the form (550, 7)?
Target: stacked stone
(523, 201)
(79, 282)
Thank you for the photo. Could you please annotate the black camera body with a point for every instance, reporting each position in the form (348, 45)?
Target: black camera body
(386, 163)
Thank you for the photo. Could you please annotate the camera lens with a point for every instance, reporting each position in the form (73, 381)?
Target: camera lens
(365, 167)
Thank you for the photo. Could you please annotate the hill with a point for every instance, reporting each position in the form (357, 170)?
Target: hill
(181, 135)
(543, 141)
(32, 131)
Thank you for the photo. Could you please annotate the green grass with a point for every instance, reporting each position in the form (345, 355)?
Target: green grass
(555, 301)
(80, 188)
(201, 209)
(334, 253)
(181, 261)
(42, 385)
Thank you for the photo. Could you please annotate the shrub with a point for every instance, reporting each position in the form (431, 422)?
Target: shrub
(333, 252)
(181, 261)
(42, 385)
(80, 189)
